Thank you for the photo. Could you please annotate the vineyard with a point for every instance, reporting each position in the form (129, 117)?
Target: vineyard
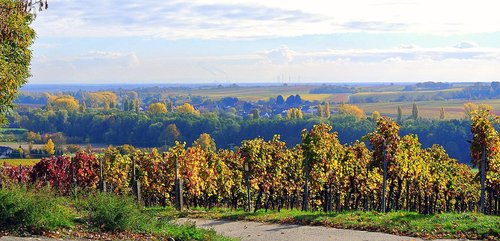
(392, 173)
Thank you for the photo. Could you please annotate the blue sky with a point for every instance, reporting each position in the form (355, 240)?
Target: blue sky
(224, 41)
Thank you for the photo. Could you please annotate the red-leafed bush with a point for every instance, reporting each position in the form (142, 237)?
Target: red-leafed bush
(53, 171)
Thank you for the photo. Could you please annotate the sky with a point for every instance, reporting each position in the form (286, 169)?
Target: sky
(255, 41)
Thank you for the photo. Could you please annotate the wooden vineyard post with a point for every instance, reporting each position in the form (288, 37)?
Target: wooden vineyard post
(136, 185)
(249, 198)
(305, 205)
(384, 180)
(483, 175)
(102, 183)
(178, 188)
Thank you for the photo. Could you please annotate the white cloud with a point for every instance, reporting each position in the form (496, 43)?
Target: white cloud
(407, 46)
(229, 19)
(282, 55)
(465, 45)
(391, 64)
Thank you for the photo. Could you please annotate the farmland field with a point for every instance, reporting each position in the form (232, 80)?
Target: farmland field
(17, 162)
(454, 109)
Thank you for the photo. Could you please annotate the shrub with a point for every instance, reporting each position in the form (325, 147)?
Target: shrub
(113, 213)
(35, 211)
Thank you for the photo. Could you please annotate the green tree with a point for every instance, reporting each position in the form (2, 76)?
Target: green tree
(441, 114)
(320, 111)
(83, 107)
(414, 111)
(171, 134)
(255, 114)
(326, 109)
(170, 106)
(16, 37)
(400, 114)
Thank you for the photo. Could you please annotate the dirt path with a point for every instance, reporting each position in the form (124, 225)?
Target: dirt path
(254, 231)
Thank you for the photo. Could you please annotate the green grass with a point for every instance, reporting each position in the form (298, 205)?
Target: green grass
(17, 162)
(446, 225)
(25, 210)
(21, 209)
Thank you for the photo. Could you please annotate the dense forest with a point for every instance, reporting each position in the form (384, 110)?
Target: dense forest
(145, 129)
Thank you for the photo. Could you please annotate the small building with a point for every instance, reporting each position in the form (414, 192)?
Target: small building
(5, 151)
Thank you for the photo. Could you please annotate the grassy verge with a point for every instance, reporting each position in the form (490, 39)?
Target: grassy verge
(446, 225)
(36, 212)
(100, 216)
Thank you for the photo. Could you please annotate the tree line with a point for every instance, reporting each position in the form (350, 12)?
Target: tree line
(319, 173)
(147, 129)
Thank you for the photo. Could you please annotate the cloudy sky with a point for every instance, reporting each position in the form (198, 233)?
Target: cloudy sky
(230, 41)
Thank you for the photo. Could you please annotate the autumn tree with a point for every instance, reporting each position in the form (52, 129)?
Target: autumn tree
(205, 142)
(187, 109)
(326, 109)
(16, 37)
(33, 137)
(320, 111)
(49, 147)
(103, 99)
(73, 148)
(63, 102)
(170, 135)
(294, 113)
(157, 108)
(353, 110)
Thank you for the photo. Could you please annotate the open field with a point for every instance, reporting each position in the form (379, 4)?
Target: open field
(256, 93)
(454, 109)
(17, 162)
(24, 145)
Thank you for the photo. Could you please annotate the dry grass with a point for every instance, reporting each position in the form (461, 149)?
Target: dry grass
(429, 109)
(17, 162)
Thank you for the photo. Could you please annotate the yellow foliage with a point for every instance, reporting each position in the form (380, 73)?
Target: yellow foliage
(469, 107)
(157, 108)
(105, 99)
(187, 108)
(63, 102)
(49, 147)
(353, 110)
(205, 142)
(294, 113)
(375, 115)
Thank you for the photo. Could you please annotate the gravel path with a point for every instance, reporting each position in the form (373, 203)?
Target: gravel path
(254, 231)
